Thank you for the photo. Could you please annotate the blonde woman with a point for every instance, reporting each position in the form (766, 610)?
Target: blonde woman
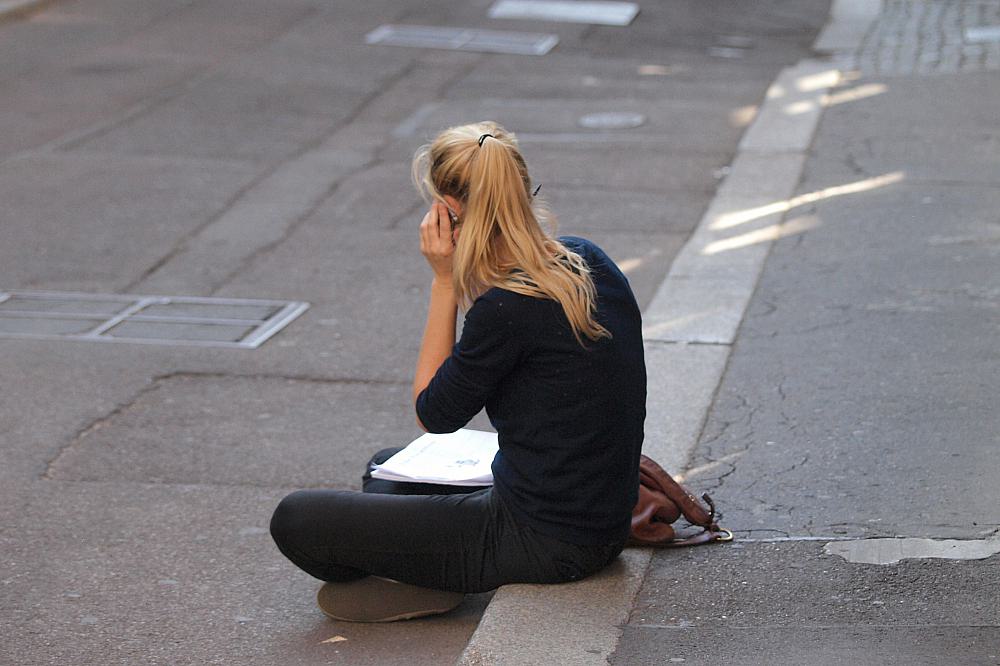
(551, 347)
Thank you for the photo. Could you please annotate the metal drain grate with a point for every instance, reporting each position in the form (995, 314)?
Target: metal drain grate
(575, 11)
(463, 39)
(236, 323)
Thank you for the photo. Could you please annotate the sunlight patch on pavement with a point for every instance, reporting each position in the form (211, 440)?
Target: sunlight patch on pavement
(666, 327)
(743, 116)
(831, 99)
(629, 265)
(727, 220)
(708, 467)
(818, 81)
(769, 233)
(854, 94)
(661, 70)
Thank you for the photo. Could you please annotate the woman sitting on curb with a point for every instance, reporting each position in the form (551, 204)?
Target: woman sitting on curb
(552, 347)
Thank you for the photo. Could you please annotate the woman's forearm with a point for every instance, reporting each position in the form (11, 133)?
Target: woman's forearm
(439, 334)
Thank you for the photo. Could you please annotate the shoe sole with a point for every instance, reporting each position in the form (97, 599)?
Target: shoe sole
(375, 599)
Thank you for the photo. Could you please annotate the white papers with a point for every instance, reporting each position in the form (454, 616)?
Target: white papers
(460, 458)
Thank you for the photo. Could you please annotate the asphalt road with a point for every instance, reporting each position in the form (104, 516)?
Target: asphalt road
(859, 403)
(261, 150)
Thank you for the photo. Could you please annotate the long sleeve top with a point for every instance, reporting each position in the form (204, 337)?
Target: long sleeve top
(569, 417)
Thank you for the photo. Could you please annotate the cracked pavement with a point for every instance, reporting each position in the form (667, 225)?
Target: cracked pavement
(859, 401)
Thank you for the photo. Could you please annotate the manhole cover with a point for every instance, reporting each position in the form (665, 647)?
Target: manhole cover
(576, 11)
(238, 323)
(612, 120)
(463, 39)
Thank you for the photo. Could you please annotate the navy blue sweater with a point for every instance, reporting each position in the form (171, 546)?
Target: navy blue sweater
(569, 419)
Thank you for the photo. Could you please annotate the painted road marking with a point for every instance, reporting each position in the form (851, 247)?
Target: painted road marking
(891, 551)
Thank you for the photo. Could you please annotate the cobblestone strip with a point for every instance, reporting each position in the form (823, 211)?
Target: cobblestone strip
(933, 36)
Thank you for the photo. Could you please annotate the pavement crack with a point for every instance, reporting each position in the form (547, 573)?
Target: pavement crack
(820, 327)
(289, 230)
(767, 307)
(751, 532)
(794, 466)
(96, 424)
(359, 381)
(724, 463)
(441, 89)
(377, 151)
(184, 242)
(169, 93)
(869, 144)
(154, 384)
(852, 163)
(201, 484)
(408, 214)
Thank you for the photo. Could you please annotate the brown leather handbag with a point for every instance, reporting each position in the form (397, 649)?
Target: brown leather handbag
(661, 502)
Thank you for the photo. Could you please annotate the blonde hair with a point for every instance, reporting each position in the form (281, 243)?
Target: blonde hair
(502, 243)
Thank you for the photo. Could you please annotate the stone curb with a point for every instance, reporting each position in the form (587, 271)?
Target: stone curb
(689, 329)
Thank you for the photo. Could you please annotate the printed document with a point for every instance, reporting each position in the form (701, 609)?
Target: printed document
(460, 458)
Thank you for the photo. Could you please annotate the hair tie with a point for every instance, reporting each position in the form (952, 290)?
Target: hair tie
(483, 138)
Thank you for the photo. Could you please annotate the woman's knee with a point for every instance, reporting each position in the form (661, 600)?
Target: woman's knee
(302, 530)
(289, 517)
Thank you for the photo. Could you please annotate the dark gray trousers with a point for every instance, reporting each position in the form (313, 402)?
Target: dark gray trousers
(462, 541)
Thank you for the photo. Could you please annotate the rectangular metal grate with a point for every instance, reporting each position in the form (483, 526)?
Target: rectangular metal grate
(237, 323)
(594, 13)
(463, 39)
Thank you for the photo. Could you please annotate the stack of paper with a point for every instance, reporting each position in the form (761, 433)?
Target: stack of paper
(460, 458)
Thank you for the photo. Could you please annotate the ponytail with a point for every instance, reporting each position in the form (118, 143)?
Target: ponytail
(502, 243)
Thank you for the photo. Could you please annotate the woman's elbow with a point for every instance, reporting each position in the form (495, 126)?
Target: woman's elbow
(420, 424)
(437, 428)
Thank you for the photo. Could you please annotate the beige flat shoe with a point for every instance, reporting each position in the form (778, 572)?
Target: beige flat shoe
(375, 599)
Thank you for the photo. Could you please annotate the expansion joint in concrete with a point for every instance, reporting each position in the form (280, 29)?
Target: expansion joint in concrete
(246, 190)
(289, 230)
(183, 242)
(363, 107)
(156, 381)
(96, 424)
(684, 343)
(347, 381)
(164, 96)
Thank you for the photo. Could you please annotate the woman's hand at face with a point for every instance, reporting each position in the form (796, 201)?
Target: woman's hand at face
(436, 241)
